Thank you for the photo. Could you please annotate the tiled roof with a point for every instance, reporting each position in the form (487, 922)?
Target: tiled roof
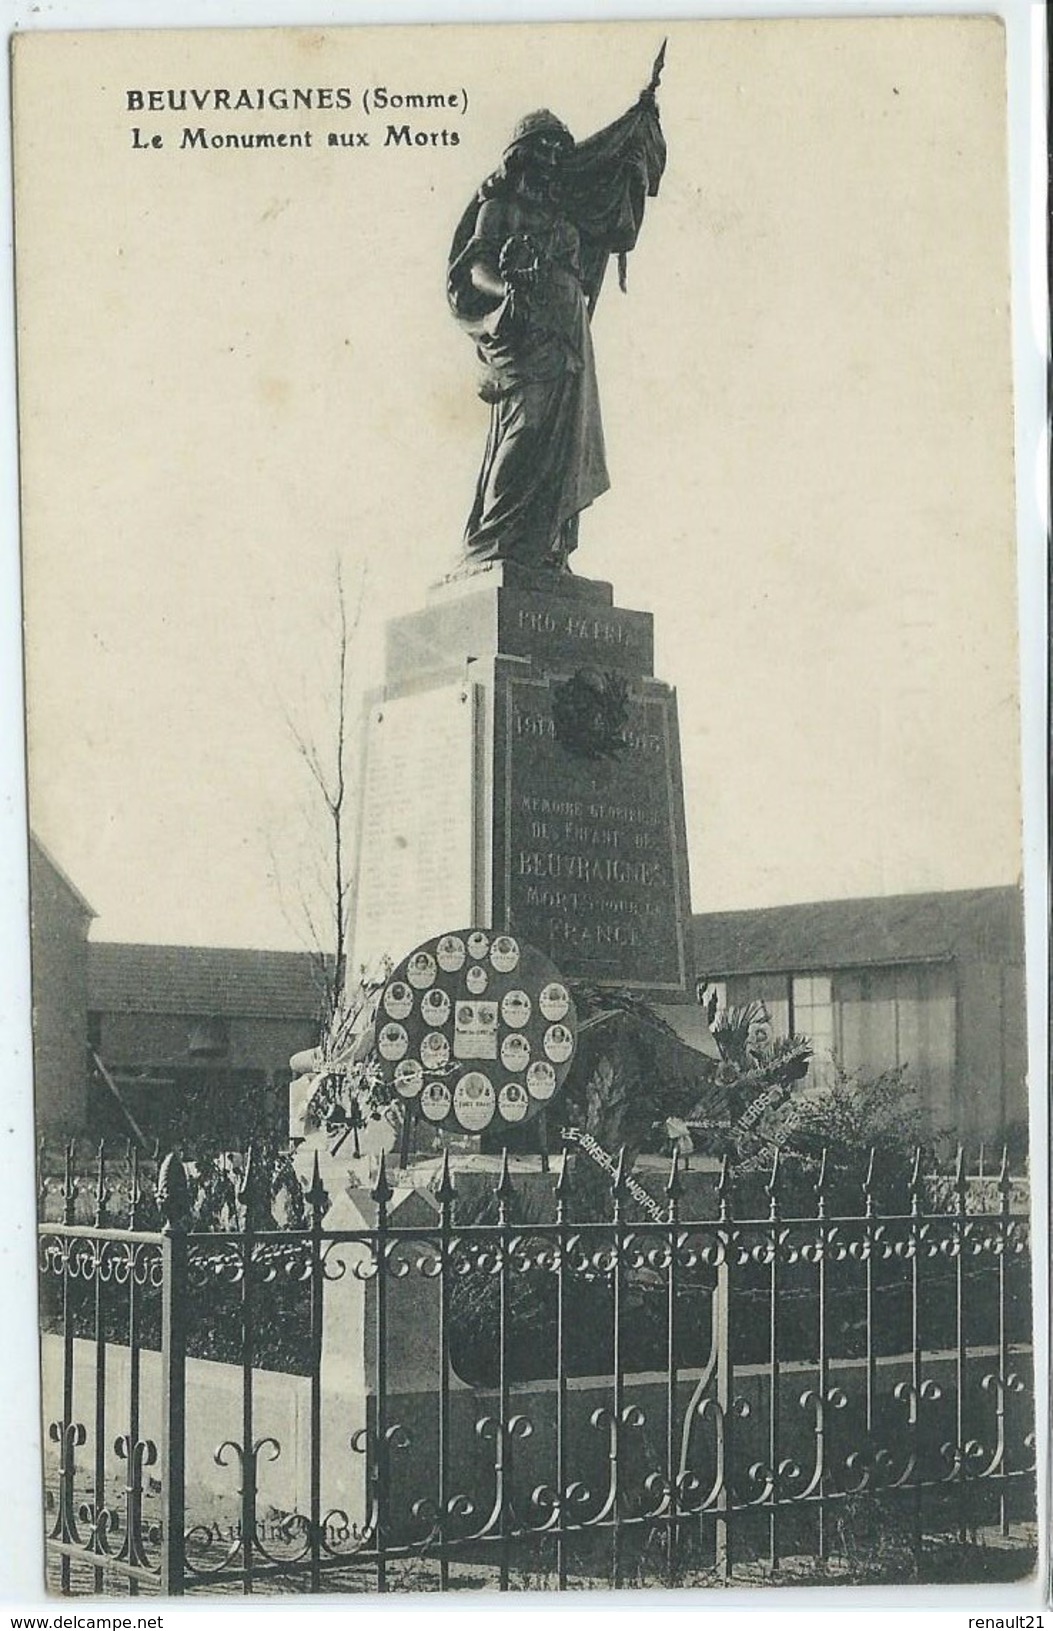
(205, 980)
(977, 923)
(819, 935)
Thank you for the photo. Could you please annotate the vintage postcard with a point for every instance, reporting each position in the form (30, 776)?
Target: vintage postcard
(520, 572)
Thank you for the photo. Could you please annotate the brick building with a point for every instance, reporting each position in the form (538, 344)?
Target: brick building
(168, 1025)
(60, 918)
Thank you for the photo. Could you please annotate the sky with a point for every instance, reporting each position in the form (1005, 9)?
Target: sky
(237, 369)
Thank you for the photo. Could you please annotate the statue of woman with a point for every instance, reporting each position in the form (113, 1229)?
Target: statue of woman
(525, 272)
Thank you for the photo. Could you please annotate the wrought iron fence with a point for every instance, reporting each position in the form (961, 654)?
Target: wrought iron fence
(493, 1384)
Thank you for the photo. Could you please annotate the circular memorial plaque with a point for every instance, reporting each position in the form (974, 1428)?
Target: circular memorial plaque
(515, 1008)
(398, 1000)
(512, 1103)
(435, 1101)
(473, 1101)
(435, 1007)
(393, 1042)
(409, 1078)
(478, 1028)
(541, 1079)
(450, 953)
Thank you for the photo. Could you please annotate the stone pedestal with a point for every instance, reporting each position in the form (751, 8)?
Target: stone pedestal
(498, 791)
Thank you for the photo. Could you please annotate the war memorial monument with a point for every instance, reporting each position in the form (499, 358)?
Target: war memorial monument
(521, 760)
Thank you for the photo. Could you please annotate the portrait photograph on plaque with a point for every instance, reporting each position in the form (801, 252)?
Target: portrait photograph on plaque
(521, 571)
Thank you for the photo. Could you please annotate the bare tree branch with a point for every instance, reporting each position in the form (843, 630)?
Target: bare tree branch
(328, 770)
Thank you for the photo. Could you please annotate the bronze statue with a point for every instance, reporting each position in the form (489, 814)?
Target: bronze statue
(525, 272)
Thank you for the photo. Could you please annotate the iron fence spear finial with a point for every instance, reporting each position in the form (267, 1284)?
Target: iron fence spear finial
(772, 1185)
(316, 1196)
(618, 1175)
(915, 1181)
(253, 1191)
(70, 1191)
(960, 1179)
(135, 1191)
(820, 1185)
(1003, 1170)
(102, 1192)
(382, 1191)
(445, 1190)
(674, 1185)
(503, 1187)
(724, 1186)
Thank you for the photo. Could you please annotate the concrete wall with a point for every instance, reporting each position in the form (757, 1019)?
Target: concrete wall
(282, 1412)
(214, 1403)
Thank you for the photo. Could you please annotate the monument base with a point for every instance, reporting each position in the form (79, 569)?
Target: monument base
(522, 772)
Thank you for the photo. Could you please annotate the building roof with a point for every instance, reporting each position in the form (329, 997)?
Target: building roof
(985, 924)
(204, 980)
(51, 866)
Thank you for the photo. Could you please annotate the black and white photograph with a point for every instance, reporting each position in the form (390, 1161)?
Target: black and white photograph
(521, 571)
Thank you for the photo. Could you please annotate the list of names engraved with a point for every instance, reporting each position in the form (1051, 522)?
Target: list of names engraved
(415, 849)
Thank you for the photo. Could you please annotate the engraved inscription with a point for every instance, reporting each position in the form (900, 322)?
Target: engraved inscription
(415, 851)
(591, 848)
(599, 631)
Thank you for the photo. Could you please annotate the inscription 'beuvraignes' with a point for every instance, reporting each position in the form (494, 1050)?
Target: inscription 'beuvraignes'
(586, 869)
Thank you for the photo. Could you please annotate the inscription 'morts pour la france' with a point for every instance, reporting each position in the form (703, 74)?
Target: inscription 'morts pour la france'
(590, 853)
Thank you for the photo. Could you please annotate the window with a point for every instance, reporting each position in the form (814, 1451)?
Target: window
(208, 1039)
(813, 1017)
(772, 991)
(706, 990)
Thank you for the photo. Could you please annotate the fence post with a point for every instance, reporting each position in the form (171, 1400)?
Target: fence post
(318, 1205)
(102, 1198)
(775, 1402)
(502, 1469)
(382, 1194)
(562, 1528)
(446, 1196)
(823, 1242)
(173, 1198)
(961, 1358)
(1004, 1187)
(673, 1191)
(71, 1435)
(722, 1344)
(917, 1231)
